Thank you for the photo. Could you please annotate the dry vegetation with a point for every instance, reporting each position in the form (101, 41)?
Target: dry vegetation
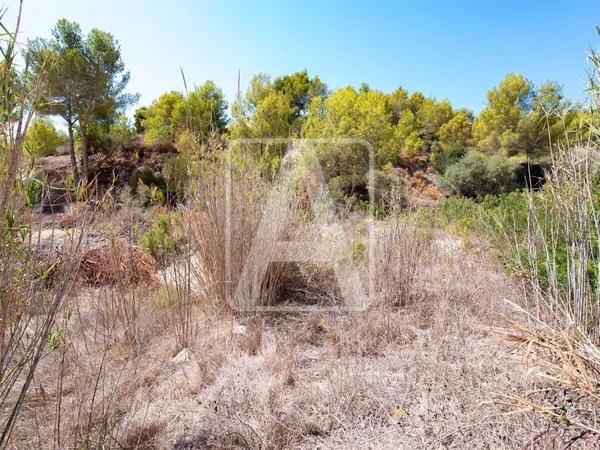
(120, 326)
(411, 375)
(154, 360)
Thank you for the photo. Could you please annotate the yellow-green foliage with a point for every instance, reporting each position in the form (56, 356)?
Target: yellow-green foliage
(42, 138)
(164, 238)
(457, 131)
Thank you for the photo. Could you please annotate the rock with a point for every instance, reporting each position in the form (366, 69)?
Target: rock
(239, 330)
(63, 150)
(182, 357)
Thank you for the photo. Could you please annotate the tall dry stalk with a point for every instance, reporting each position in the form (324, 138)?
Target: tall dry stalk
(400, 252)
(217, 273)
(34, 286)
(562, 331)
(563, 243)
(254, 238)
(19, 95)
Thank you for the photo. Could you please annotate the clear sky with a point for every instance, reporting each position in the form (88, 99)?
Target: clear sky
(454, 50)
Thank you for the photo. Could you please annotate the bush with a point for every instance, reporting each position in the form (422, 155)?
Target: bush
(441, 161)
(458, 214)
(177, 169)
(163, 239)
(478, 175)
(146, 177)
(120, 133)
(388, 192)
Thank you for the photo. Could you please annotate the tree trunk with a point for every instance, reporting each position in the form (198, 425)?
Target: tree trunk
(84, 150)
(72, 154)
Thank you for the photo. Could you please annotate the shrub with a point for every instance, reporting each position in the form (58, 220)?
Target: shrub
(147, 177)
(477, 175)
(120, 132)
(176, 173)
(442, 160)
(31, 189)
(163, 239)
(458, 214)
(117, 263)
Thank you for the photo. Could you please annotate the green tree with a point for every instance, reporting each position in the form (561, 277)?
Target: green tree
(457, 131)
(351, 114)
(301, 89)
(163, 118)
(521, 119)
(298, 88)
(139, 116)
(207, 111)
(432, 115)
(43, 138)
(85, 77)
(413, 145)
(406, 124)
(270, 118)
(507, 104)
(397, 104)
(415, 101)
(120, 132)
(545, 125)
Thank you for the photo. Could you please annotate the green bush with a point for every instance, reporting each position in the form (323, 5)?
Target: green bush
(458, 214)
(177, 177)
(477, 175)
(32, 190)
(163, 239)
(506, 214)
(147, 177)
(120, 133)
(442, 160)
(498, 217)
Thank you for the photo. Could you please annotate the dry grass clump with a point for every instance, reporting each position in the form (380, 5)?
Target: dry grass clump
(117, 262)
(238, 231)
(108, 353)
(143, 437)
(401, 248)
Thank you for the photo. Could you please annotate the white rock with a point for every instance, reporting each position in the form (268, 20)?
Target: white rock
(239, 329)
(183, 356)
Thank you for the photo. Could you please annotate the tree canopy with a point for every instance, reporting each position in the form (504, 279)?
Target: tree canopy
(85, 77)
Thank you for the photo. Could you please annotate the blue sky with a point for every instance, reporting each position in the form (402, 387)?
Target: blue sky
(454, 50)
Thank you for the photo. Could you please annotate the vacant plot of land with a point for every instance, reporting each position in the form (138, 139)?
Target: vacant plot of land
(422, 375)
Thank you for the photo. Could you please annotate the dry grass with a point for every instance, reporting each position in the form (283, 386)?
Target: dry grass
(401, 250)
(169, 365)
(413, 377)
(242, 268)
(117, 262)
